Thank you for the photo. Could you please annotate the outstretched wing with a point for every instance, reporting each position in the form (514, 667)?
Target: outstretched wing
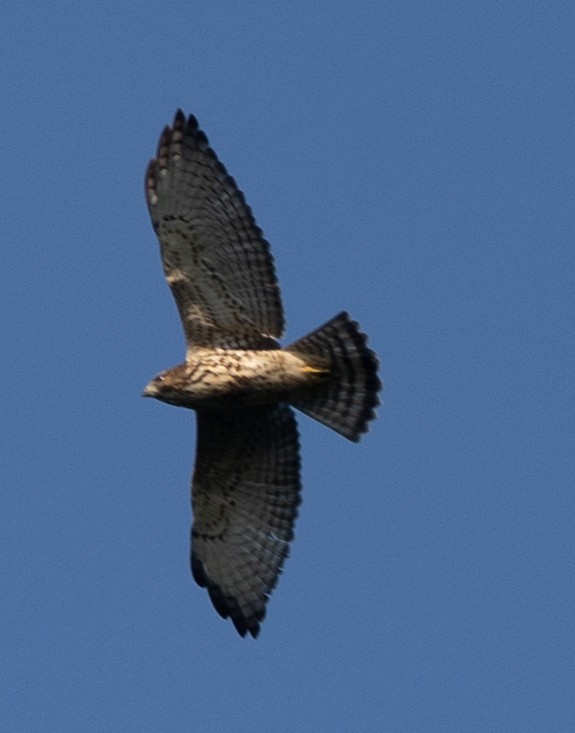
(245, 495)
(215, 258)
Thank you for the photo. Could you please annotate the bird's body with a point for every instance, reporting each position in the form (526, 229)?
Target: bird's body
(241, 383)
(225, 378)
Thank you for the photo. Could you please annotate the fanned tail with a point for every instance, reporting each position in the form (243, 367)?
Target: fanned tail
(345, 402)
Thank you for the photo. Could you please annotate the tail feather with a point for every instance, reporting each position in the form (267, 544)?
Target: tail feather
(345, 402)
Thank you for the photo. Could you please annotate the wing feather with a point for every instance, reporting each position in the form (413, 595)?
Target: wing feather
(245, 496)
(216, 261)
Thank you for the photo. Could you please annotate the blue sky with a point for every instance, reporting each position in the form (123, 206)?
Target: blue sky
(410, 162)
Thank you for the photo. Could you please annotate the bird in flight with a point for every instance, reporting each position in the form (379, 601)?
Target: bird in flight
(241, 383)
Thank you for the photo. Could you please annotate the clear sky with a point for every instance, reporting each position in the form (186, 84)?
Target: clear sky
(411, 162)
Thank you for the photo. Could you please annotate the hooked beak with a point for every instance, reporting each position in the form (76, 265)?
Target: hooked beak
(150, 390)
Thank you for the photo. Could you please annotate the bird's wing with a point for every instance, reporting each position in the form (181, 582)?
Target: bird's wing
(245, 495)
(216, 261)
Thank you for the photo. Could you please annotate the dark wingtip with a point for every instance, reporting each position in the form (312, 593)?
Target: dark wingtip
(225, 605)
(188, 127)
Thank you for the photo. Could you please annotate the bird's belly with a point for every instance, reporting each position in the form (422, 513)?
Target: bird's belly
(235, 378)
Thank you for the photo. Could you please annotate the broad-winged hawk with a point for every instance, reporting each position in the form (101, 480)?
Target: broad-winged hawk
(240, 382)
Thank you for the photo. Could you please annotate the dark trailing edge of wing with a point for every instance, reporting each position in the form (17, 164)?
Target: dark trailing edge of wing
(226, 606)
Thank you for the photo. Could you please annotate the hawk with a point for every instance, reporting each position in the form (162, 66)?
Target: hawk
(240, 382)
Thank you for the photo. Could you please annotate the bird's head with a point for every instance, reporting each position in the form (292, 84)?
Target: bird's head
(155, 387)
(166, 386)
